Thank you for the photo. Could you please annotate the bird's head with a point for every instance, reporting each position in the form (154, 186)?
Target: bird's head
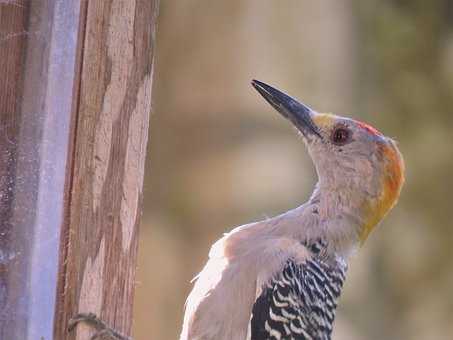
(360, 170)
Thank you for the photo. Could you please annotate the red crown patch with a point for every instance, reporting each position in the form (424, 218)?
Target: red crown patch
(369, 128)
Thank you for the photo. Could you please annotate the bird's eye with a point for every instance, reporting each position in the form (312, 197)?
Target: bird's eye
(341, 135)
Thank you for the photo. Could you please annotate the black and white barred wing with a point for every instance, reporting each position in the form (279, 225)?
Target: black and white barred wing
(299, 303)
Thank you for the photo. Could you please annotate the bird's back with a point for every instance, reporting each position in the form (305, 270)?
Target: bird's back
(300, 302)
(258, 289)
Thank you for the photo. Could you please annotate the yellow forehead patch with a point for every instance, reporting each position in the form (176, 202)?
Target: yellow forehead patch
(392, 182)
(324, 120)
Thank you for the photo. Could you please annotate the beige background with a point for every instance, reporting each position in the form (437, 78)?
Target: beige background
(219, 156)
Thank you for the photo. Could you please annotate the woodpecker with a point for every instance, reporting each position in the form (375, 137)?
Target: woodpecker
(281, 278)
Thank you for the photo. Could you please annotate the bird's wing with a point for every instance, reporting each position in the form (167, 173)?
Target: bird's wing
(299, 301)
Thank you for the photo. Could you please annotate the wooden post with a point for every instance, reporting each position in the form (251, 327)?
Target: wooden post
(99, 246)
(13, 268)
(75, 98)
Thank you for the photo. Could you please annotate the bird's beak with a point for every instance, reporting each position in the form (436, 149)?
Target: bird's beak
(299, 114)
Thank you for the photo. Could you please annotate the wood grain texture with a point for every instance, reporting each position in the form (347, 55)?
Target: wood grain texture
(99, 247)
(12, 52)
(37, 96)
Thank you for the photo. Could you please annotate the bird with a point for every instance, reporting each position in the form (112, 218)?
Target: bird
(281, 278)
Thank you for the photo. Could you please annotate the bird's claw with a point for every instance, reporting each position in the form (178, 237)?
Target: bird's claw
(103, 330)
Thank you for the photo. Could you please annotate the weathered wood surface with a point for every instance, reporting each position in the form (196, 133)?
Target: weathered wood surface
(40, 47)
(98, 256)
(12, 48)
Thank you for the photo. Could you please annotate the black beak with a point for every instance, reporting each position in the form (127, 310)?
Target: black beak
(298, 113)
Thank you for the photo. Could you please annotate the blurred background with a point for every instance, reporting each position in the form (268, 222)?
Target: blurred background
(219, 156)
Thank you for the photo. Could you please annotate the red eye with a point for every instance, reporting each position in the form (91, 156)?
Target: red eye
(341, 135)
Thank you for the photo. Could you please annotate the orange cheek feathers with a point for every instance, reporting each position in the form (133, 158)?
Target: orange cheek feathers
(392, 181)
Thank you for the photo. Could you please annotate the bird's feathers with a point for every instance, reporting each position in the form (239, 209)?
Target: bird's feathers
(220, 304)
(299, 303)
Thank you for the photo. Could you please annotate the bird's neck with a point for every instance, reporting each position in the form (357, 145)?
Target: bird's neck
(335, 215)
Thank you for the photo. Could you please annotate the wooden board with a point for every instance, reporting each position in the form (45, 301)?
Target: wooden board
(99, 243)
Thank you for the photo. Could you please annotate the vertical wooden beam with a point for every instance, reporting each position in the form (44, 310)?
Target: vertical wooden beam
(12, 53)
(40, 50)
(75, 94)
(99, 246)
